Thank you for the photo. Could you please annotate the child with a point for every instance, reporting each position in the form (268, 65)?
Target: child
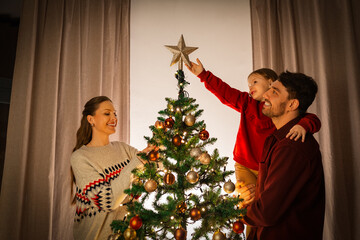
(254, 126)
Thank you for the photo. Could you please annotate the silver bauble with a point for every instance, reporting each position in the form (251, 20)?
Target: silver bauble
(229, 187)
(195, 152)
(205, 158)
(189, 120)
(192, 177)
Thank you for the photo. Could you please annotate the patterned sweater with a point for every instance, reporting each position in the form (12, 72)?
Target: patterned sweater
(102, 174)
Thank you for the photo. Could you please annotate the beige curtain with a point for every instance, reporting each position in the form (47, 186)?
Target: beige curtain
(68, 51)
(321, 38)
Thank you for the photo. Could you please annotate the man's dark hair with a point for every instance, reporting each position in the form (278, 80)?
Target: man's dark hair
(301, 87)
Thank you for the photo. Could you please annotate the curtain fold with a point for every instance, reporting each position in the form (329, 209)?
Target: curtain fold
(68, 51)
(321, 39)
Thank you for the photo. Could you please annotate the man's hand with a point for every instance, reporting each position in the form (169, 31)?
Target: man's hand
(297, 132)
(195, 68)
(246, 192)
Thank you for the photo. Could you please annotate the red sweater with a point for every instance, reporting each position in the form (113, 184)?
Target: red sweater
(290, 191)
(254, 126)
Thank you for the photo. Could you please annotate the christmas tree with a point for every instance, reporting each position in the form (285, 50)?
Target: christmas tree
(183, 181)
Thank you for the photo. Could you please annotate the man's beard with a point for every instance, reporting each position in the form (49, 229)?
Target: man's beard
(274, 114)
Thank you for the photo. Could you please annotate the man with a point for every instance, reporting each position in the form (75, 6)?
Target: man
(289, 199)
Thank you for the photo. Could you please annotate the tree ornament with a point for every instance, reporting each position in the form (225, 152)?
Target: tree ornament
(177, 140)
(195, 214)
(170, 107)
(136, 196)
(180, 234)
(218, 235)
(162, 148)
(114, 236)
(189, 120)
(130, 234)
(169, 178)
(136, 222)
(229, 186)
(153, 155)
(180, 53)
(195, 152)
(150, 185)
(203, 134)
(238, 227)
(169, 122)
(205, 158)
(181, 207)
(192, 177)
(159, 124)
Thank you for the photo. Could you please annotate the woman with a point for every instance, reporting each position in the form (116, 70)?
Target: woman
(101, 171)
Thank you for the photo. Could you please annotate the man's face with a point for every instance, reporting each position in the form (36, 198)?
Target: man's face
(276, 100)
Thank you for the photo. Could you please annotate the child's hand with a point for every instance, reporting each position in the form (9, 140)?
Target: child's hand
(196, 68)
(246, 192)
(296, 132)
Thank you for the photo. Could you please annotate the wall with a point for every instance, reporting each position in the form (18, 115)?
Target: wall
(221, 30)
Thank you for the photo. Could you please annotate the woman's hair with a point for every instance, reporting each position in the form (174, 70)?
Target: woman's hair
(84, 133)
(266, 73)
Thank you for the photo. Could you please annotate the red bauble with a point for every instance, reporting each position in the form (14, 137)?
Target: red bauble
(169, 122)
(195, 214)
(135, 222)
(180, 234)
(177, 140)
(153, 155)
(203, 134)
(169, 179)
(238, 227)
(135, 197)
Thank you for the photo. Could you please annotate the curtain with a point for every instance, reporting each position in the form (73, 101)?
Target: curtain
(321, 39)
(68, 52)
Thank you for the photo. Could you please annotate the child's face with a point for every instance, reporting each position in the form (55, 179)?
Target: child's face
(258, 85)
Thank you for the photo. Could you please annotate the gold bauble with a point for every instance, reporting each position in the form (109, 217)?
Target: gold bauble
(192, 177)
(159, 124)
(229, 187)
(218, 235)
(114, 236)
(195, 214)
(195, 152)
(169, 178)
(180, 234)
(150, 185)
(205, 158)
(130, 234)
(189, 120)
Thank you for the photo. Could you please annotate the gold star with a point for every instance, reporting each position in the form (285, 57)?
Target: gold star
(181, 52)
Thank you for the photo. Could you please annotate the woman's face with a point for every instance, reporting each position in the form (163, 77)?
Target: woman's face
(104, 119)
(258, 85)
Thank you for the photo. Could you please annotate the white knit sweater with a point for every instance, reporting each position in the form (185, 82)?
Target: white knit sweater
(102, 174)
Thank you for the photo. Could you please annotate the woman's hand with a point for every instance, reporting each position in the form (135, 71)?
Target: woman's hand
(195, 68)
(297, 132)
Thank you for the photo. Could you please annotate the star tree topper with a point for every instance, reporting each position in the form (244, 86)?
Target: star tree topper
(181, 52)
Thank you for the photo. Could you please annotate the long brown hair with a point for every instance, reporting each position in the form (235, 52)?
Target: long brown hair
(84, 133)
